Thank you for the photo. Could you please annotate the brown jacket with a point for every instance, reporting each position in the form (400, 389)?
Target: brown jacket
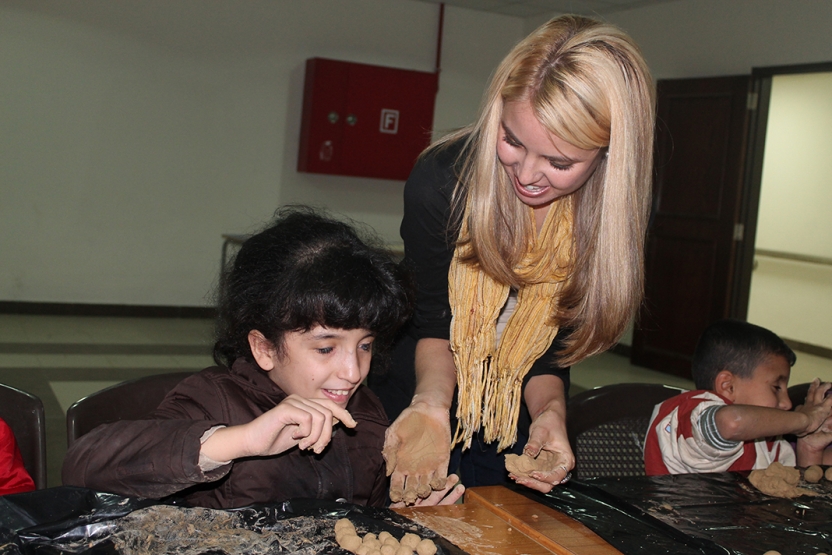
(158, 457)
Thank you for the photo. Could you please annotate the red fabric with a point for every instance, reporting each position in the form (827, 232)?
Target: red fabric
(13, 477)
(656, 460)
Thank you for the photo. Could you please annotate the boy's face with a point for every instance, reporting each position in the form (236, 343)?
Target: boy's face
(323, 363)
(767, 387)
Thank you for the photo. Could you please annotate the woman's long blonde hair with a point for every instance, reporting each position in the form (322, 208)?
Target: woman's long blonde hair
(587, 84)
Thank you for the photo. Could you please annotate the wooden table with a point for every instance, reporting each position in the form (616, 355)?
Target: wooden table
(494, 520)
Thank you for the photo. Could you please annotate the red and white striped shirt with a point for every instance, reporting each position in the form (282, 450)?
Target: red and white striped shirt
(683, 438)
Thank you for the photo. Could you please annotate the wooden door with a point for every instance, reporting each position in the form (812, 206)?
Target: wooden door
(693, 238)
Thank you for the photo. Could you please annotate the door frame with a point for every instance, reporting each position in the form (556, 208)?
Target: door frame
(761, 82)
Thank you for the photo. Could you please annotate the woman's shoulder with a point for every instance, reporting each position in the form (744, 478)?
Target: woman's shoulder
(439, 164)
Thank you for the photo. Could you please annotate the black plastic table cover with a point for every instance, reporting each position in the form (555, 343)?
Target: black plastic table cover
(702, 514)
(54, 521)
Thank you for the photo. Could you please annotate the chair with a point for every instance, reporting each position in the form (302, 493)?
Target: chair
(606, 427)
(797, 393)
(24, 414)
(130, 400)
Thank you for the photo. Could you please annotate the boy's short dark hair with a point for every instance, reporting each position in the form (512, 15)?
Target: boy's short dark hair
(307, 269)
(736, 346)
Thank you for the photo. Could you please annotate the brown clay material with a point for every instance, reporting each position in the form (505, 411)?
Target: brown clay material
(813, 474)
(778, 481)
(426, 547)
(524, 465)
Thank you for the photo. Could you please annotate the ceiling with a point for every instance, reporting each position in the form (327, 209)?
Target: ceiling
(529, 8)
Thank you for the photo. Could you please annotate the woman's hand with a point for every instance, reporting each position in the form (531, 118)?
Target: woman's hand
(417, 448)
(448, 495)
(548, 443)
(306, 423)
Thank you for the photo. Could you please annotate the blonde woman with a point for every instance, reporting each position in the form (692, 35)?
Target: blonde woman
(525, 232)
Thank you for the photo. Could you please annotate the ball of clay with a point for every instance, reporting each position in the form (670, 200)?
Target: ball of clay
(411, 540)
(426, 547)
(340, 535)
(362, 549)
(370, 536)
(388, 549)
(350, 543)
(828, 474)
(404, 550)
(344, 524)
(372, 543)
(772, 552)
(813, 474)
(383, 536)
(390, 541)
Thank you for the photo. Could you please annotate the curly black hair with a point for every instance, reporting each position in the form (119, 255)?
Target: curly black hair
(307, 269)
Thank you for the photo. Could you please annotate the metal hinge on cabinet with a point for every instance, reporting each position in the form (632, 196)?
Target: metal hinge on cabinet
(739, 232)
(753, 98)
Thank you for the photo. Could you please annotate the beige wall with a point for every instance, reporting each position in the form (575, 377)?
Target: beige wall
(135, 133)
(697, 38)
(795, 298)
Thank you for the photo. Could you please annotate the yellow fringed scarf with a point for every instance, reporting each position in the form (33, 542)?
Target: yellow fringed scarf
(489, 377)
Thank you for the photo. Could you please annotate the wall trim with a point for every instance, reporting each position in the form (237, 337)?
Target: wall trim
(112, 310)
(808, 348)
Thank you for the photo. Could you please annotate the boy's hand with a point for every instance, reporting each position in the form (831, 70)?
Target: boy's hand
(817, 407)
(306, 423)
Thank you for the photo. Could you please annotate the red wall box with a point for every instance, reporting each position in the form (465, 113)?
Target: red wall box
(364, 120)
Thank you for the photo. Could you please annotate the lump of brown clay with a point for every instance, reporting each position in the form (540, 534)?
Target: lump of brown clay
(426, 547)
(344, 524)
(813, 474)
(350, 543)
(828, 474)
(524, 465)
(778, 481)
(411, 541)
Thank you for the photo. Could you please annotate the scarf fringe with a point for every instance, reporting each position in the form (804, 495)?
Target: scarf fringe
(490, 377)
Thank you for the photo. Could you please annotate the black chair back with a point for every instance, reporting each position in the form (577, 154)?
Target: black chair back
(24, 414)
(607, 426)
(130, 400)
(797, 393)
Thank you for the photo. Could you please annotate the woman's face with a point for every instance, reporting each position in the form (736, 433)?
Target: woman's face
(541, 166)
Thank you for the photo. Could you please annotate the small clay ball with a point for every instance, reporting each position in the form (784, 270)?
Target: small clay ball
(411, 540)
(362, 549)
(383, 536)
(342, 533)
(390, 541)
(370, 536)
(813, 474)
(372, 543)
(388, 549)
(404, 550)
(828, 474)
(772, 552)
(350, 543)
(426, 547)
(344, 524)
